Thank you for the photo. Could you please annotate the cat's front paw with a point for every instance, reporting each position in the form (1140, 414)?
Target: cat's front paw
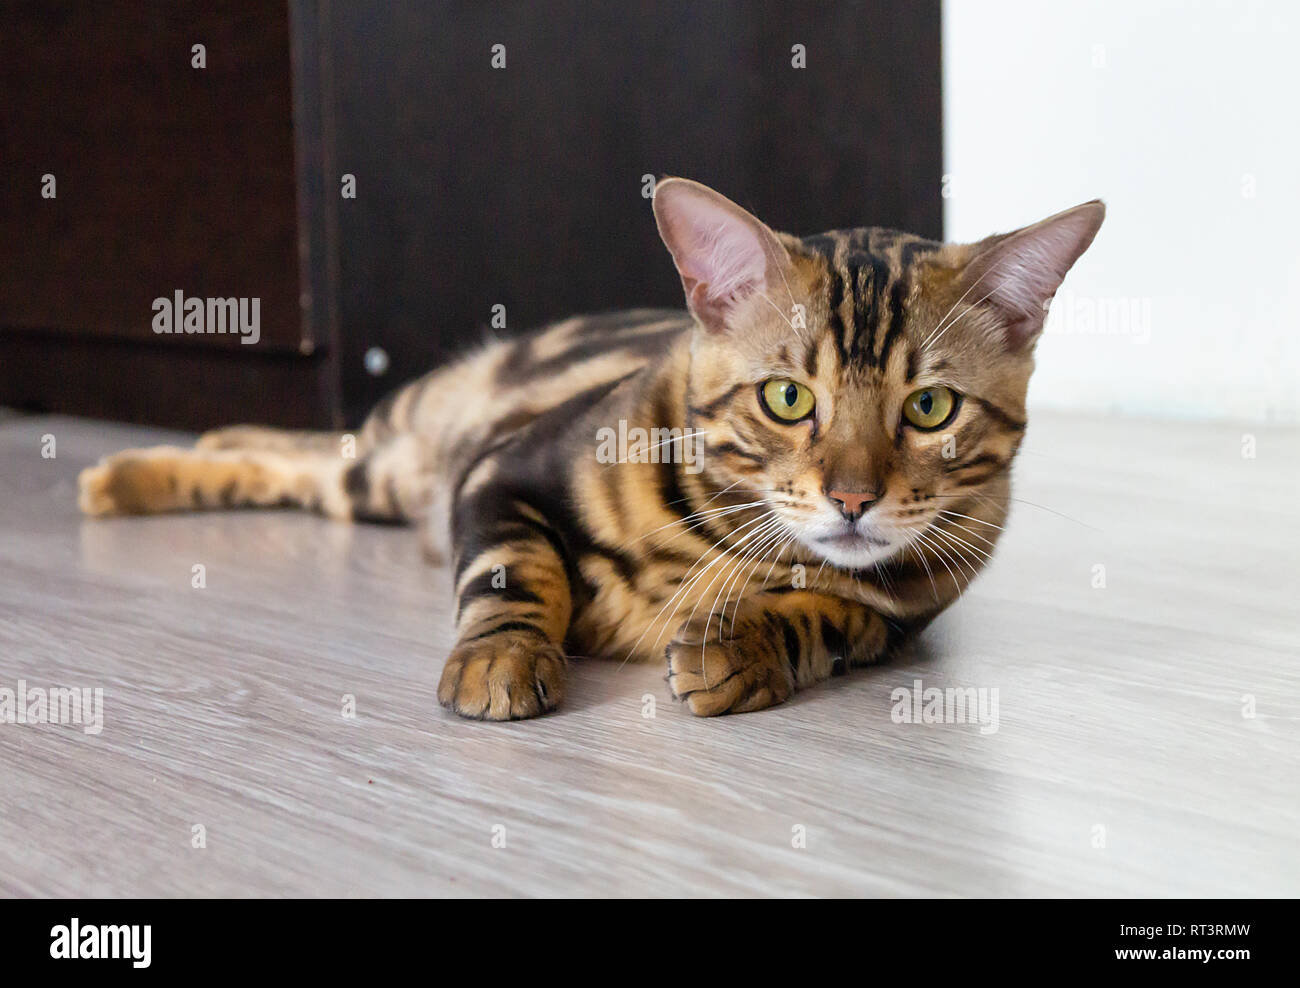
(715, 671)
(507, 676)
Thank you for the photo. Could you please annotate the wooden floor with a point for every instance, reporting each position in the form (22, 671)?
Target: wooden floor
(1125, 760)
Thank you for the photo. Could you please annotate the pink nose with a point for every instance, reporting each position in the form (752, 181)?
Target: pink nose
(852, 503)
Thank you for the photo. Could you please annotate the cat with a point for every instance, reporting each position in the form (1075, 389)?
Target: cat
(811, 462)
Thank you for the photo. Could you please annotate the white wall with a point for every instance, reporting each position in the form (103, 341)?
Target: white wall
(1185, 118)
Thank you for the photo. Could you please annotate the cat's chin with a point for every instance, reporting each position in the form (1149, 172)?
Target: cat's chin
(851, 550)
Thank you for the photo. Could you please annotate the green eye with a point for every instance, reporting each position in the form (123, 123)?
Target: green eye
(930, 408)
(787, 401)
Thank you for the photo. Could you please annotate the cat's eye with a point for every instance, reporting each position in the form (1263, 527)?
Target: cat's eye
(930, 408)
(787, 401)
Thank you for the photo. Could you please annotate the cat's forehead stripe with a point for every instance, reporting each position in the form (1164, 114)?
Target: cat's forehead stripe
(868, 280)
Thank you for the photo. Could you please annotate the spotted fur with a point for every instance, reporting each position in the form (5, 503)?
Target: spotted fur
(716, 567)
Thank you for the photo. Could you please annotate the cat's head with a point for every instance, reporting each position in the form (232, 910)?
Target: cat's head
(861, 380)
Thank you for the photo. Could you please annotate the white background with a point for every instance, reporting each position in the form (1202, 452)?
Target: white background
(1185, 119)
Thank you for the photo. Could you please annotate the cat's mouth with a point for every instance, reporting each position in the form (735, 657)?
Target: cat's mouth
(853, 539)
(850, 545)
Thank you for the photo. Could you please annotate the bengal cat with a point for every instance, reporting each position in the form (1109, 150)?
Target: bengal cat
(784, 482)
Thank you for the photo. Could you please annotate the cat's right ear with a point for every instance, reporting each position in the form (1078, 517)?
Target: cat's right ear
(1018, 273)
(723, 253)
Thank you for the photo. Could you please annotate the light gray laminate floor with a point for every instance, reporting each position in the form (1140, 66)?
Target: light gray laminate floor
(1126, 759)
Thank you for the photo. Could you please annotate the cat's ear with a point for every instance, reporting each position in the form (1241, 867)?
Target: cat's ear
(1018, 273)
(723, 253)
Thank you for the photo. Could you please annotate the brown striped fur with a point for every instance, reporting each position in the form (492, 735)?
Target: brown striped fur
(717, 570)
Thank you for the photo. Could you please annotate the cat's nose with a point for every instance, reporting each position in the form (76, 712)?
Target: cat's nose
(853, 504)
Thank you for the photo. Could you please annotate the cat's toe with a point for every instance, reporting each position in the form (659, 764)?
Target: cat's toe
(726, 677)
(94, 495)
(508, 676)
(105, 489)
(132, 482)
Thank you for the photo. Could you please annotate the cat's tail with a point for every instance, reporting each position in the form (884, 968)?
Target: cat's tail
(252, 466)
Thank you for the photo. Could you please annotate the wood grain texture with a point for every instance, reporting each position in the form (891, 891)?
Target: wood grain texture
(1119, 707)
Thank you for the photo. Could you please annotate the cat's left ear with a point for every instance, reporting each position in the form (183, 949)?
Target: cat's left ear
(1018, 273)
(723, 253)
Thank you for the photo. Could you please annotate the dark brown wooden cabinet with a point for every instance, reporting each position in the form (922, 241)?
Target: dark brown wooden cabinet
(475, 185)
(135, 166)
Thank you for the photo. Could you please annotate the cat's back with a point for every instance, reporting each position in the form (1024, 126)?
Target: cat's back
(568, 346)
(506, 383)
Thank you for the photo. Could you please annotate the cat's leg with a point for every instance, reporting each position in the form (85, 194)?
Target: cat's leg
(771, 645)
(387, 483)
(513, 605)
(172, 478)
